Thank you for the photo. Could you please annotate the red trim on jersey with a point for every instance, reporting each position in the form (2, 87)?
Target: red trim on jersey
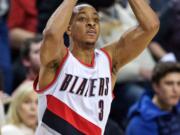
(56, 75)
(110, 67)
(63, 111)
(88, 65)
(109, 58)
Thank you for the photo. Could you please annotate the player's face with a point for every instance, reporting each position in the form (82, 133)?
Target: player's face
(85, 25)
(168, 89)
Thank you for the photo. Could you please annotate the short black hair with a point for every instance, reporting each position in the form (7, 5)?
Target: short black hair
(98, 4)
(162, 69)
(79, 5)
(25, 49)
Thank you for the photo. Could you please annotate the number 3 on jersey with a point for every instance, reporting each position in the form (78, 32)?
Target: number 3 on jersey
(101, 107)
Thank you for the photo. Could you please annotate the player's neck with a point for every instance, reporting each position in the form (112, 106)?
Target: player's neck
(84, 54)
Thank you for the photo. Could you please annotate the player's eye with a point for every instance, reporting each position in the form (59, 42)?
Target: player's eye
(82, 19)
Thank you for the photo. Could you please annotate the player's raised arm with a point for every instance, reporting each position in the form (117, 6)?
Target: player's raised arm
(53, 48)
(133, 42)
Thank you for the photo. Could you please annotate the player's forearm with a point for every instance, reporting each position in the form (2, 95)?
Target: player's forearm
(146, 17)
(53, 49)
(59, 21)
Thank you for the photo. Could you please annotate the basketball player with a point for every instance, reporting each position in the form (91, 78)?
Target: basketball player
(75, 85)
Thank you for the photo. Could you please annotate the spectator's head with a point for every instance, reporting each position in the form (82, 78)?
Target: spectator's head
(166, 83)
(23, 107)
(30, 52)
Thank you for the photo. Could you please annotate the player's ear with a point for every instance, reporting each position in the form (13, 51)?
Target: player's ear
(68, 30)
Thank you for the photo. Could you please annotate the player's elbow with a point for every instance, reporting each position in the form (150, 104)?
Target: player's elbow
(153, 26)
(48, 32)
(52, 35)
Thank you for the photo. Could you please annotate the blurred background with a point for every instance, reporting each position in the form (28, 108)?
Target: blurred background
(21, 26)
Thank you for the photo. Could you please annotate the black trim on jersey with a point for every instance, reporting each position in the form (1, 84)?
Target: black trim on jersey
(59, 125)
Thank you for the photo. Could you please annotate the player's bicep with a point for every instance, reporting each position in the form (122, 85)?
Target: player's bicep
(130, 45)
(52, 49)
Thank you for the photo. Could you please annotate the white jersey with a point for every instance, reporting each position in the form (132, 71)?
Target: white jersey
(78, 100)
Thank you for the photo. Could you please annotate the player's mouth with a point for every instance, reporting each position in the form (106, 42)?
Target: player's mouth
(91, 32)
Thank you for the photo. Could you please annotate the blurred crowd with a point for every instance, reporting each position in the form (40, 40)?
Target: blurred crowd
(21, 26)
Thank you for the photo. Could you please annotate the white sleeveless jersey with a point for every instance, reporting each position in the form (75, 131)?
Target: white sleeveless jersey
(78, 100)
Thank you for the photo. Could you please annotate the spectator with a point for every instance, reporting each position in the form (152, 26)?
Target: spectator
(22, 22)
(5, 58)
(158, 114)
(22, 113)
(27, 66)
(166, 43)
